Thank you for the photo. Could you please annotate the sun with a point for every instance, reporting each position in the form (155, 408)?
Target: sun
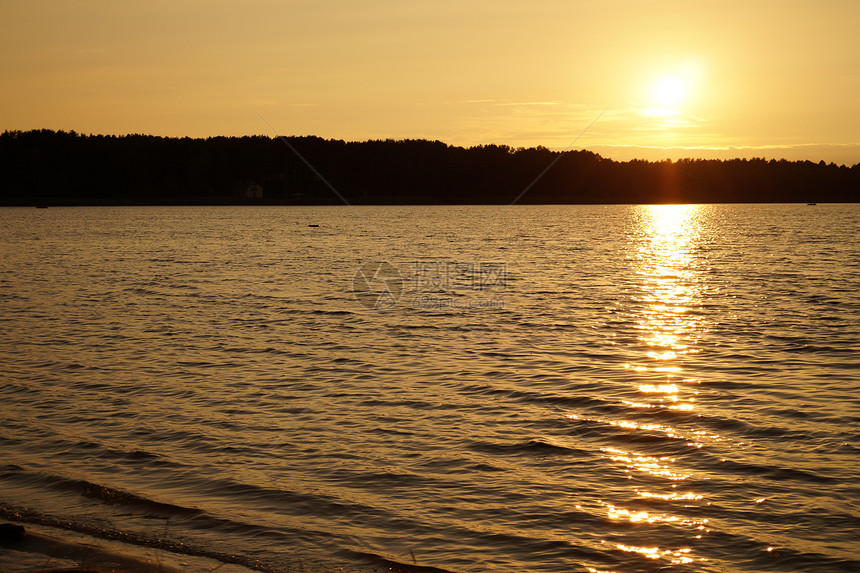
(669, 92)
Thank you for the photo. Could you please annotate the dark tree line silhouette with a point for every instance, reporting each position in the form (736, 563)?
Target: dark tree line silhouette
(66, 168)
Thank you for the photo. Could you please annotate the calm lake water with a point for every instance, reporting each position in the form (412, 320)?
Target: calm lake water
(540, 388)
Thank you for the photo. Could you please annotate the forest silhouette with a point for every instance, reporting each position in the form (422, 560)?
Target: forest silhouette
(45, 167)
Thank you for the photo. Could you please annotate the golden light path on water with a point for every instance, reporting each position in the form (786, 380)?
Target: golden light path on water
(666, 276)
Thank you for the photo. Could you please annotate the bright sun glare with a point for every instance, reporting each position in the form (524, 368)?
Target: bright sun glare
(669, 92)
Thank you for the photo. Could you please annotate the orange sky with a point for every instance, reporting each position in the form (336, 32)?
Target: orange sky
(704, 79)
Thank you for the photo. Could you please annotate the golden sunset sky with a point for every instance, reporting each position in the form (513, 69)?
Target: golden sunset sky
(770, 78)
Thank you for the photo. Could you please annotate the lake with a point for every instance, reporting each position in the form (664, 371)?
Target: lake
(446, 388)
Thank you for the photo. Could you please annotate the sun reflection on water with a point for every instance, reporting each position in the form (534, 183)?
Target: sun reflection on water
(658, 388)
(640, 516)
(667, 294)
(653, 465)
(674, 496)
(678, 556)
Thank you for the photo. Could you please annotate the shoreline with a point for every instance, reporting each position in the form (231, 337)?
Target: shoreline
(43, 549)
